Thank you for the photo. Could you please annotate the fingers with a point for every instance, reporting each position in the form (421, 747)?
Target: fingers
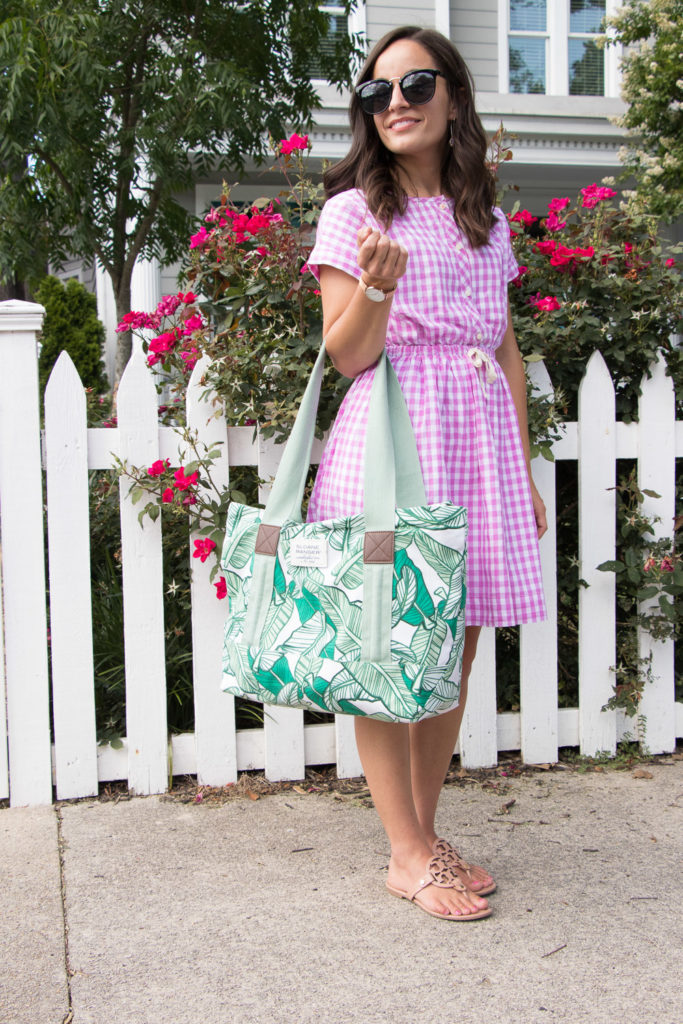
(380, 256)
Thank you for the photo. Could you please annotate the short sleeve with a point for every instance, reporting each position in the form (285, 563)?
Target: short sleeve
(510, 264)
(335, 240)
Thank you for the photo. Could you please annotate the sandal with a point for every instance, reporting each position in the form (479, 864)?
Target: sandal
(443, 849)
(442, 875)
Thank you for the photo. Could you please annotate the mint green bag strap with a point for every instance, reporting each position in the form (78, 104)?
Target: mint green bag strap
(392, 473)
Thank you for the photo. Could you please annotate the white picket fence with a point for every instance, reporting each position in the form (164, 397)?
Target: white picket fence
(216, 751)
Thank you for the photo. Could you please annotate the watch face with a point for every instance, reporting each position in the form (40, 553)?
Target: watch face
(376, 294)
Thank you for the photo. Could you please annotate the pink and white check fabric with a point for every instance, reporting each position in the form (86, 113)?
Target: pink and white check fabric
(448, 316)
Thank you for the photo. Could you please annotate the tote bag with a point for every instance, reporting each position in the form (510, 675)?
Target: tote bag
(361, 615)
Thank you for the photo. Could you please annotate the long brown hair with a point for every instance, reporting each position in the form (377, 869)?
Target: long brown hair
(465, 177)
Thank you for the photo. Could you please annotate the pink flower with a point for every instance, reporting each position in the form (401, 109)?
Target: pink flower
(667, 565)
(167, 496)
(168, 305)
(163, 343)
(137, 321)
(670, 262)
(294, 142)
(546, 248)
(555, 205)
(553, 223)
(262, 250)
(190, 357)
(203, 548)
(183, 482)
(157, 468)
(257, 222)
(200, 239)
(524, 217)
(188, 298)
(547, 304)
(190, 499)
(193, 323)
(594, 194)
(517, 282)
(221, 589)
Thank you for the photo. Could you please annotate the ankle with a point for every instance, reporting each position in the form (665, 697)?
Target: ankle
(407, 851)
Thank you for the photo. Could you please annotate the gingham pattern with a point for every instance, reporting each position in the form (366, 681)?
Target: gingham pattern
(449, 312)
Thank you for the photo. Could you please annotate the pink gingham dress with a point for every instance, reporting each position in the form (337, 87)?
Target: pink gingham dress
(448, 316)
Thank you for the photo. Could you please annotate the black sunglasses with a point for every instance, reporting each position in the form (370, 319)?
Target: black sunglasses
(417, 87)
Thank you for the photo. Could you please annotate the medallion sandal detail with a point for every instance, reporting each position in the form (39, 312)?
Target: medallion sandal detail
(443, 876)
(443, 849)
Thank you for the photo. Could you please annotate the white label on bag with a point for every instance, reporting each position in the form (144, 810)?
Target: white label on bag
(308, 552)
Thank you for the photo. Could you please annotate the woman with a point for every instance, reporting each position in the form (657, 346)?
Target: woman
(412, 256)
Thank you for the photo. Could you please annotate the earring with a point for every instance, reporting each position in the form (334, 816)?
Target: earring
(452, 136)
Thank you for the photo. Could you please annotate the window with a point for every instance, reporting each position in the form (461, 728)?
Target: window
(549, 46)
(339, 29)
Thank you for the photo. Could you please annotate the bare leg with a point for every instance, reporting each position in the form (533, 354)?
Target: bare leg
(432, 743)
(385, 752)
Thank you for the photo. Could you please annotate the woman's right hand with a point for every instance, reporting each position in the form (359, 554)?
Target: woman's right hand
(382, 260)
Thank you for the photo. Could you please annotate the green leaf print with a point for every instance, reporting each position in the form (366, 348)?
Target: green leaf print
(271, 671)
(279, 581)
(453, 603)
(279, 615)
(441, 558)
(423, 605)
(429, 517)
(427, 643)
(307, 605)
(311, 638)
(349, 572)
(380, 683)
(239, 546)
(405, 594)
(345, 619)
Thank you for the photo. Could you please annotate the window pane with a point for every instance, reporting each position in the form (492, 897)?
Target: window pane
(586, 15)
(527, 65)
(338, 30)
(527, 15)
(586, 68)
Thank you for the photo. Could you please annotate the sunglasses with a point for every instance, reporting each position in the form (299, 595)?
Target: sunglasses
(417, 87)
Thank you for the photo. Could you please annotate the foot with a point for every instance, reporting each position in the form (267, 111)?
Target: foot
(453, 899)
(475, 878)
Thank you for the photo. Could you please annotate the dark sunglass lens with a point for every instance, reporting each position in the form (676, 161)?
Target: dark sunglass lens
(419, 87)
(375, 97)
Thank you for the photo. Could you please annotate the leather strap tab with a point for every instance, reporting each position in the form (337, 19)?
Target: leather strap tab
(267, 539)
(378, 547)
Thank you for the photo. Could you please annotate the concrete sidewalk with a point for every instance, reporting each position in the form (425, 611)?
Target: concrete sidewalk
(274, 911)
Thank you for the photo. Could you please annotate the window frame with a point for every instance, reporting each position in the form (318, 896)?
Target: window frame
(557, 37)
(357, 24)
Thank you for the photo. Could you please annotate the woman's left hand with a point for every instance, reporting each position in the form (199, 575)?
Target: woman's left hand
(539, 511)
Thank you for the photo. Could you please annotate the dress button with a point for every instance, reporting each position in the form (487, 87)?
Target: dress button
(479, 335)
(442, 205)
(468, 291)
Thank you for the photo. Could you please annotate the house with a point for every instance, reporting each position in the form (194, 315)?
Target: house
(537, 70)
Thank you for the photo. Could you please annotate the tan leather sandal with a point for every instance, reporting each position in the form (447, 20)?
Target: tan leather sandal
(442, 875)
(442, 848)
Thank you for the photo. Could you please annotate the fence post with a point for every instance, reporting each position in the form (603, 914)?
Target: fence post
(215, 737)
(538, 640)
(479, 731)
(23, 557)
(597, 538)
(657, 472)
(283, 727)
(143, 608)
(71, 634)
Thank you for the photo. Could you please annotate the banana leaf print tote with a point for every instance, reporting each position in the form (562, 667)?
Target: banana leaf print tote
(363, 615)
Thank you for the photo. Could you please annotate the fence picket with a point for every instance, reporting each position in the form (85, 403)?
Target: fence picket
(4, 763)
(283, 727)
(657, 472)
(23, 557)
(71, 637)
(538, 641)
(478, 735)
(143, 610)
(215, 737)
(348, 758)
(597, 526)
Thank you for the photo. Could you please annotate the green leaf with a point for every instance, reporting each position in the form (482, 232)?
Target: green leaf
(611, 566)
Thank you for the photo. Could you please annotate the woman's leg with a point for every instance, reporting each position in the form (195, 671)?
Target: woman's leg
(431, 748)
(385, 753)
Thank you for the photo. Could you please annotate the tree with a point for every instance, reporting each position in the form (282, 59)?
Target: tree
(110, 109)
(652, 85)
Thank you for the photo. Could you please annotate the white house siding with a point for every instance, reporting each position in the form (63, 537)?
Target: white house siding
(382, 16)
(474, 30)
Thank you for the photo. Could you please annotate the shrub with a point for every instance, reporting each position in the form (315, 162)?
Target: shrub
(71, 325)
